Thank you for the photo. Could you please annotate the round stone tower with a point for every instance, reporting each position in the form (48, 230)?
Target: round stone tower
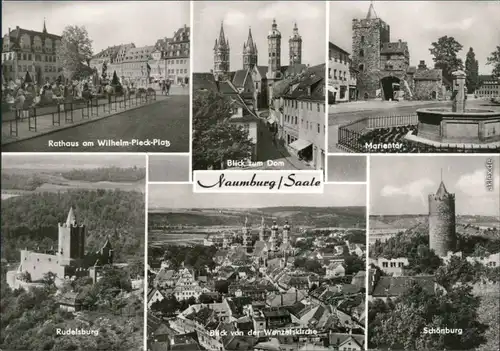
(442, 236)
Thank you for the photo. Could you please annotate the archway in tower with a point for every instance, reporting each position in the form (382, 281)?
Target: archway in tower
(390, 88)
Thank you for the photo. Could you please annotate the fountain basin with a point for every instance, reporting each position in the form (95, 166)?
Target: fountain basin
(474, 126)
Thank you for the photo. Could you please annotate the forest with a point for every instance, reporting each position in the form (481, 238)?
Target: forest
(107, 174)
(29, 318)
(30, 221)
(33, 180)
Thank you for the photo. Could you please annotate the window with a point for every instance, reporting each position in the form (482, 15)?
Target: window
(385, 264)
(361, 67)
(361, 53)
(362, 39)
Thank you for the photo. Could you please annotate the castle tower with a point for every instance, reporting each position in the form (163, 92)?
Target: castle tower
(262, 230)
(274, 236)
(71, 240)
(221, 56)
(245, 232)
(442, 236)
(286, 232)
(295, 45)
(368, 36)
(107, 252)
(274, 49)
(249, 52)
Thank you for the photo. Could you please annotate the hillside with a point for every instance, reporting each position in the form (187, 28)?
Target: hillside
(31, 220)
(298, 216)
(28, 179)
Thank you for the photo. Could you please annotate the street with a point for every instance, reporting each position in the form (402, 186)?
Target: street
(164, 121)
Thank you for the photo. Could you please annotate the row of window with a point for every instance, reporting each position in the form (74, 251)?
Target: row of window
(308, 125)
(393, 264)
(30, 68)
(29, 57)
(308, 105)
(342, 75)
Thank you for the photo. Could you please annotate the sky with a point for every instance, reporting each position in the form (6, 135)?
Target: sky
(401, 184)
(71, 161)
(239, 16)
(108, 22)
(346, 168)
(472, 23)
(179, 196)
(168, 168)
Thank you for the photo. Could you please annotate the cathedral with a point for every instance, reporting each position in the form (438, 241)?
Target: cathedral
(253, 78)
(68, 261)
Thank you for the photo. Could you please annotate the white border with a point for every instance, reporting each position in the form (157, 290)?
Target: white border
(191, 84)
(145, 285)
(367, 262)
(327, 54)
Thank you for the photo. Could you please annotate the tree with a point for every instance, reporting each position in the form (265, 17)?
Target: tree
(494, 60)
(115, 80)
(445, 52)
(75, 51)
(472, 71)
(458, 270)
(353, 264)
(215, 139)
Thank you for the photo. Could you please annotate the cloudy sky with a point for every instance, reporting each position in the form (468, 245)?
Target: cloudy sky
(239, 16)
(472, 23)
(70, 161)
(401, 184)
(177, 196)
(346, 168)
(108, 23)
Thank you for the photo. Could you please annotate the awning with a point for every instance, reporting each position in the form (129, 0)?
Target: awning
(300, 144)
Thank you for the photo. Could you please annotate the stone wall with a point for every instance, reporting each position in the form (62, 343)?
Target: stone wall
(442, 224)
(424, 88)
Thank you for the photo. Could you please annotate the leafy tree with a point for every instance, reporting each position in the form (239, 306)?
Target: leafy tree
(215, 139)
(222, 286)
(48, 279)
(353, 264)
(458, 270)
(169, 305)
(472, 71)
(75, 51)
(445, 52)
(400, 325)
(206, 299)
(494, 60)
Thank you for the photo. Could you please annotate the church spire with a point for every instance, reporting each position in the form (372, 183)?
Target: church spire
(71, 220)
(371, 12)
(44, 26)
(222, 37)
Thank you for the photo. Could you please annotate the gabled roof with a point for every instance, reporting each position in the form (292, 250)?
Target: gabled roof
(204, 81)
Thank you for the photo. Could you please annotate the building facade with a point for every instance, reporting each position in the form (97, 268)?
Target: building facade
(339, 74)
(34, 52)
(489, 87)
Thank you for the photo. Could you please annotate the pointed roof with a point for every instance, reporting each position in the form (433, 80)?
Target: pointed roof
(441, 190)
(44, 26)
(222, 37)
(371, 12)
(71, 217)
(107, 244)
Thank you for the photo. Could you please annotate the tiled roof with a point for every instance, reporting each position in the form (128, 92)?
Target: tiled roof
(239, 78)
(204, 81)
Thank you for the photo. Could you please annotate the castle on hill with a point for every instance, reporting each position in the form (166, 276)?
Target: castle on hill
(70, 259)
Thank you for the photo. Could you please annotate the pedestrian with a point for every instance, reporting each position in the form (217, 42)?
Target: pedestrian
(168, 87)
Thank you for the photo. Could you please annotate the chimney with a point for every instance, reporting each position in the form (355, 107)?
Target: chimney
(422, 65)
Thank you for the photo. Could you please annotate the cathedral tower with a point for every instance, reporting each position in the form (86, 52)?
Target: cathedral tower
(368, 36)
(286, 232)
(274, 236)
(262, 230)
(274, 49)
(245, 233)
(71, 240)
(442, 236)
(249, 52)
(295, 44)
(221, 56)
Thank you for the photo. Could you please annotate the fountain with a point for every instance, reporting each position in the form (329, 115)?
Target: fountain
(465, 128)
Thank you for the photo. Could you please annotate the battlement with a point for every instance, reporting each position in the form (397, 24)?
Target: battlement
(447, 197)
(65, 225)
(369, 23)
